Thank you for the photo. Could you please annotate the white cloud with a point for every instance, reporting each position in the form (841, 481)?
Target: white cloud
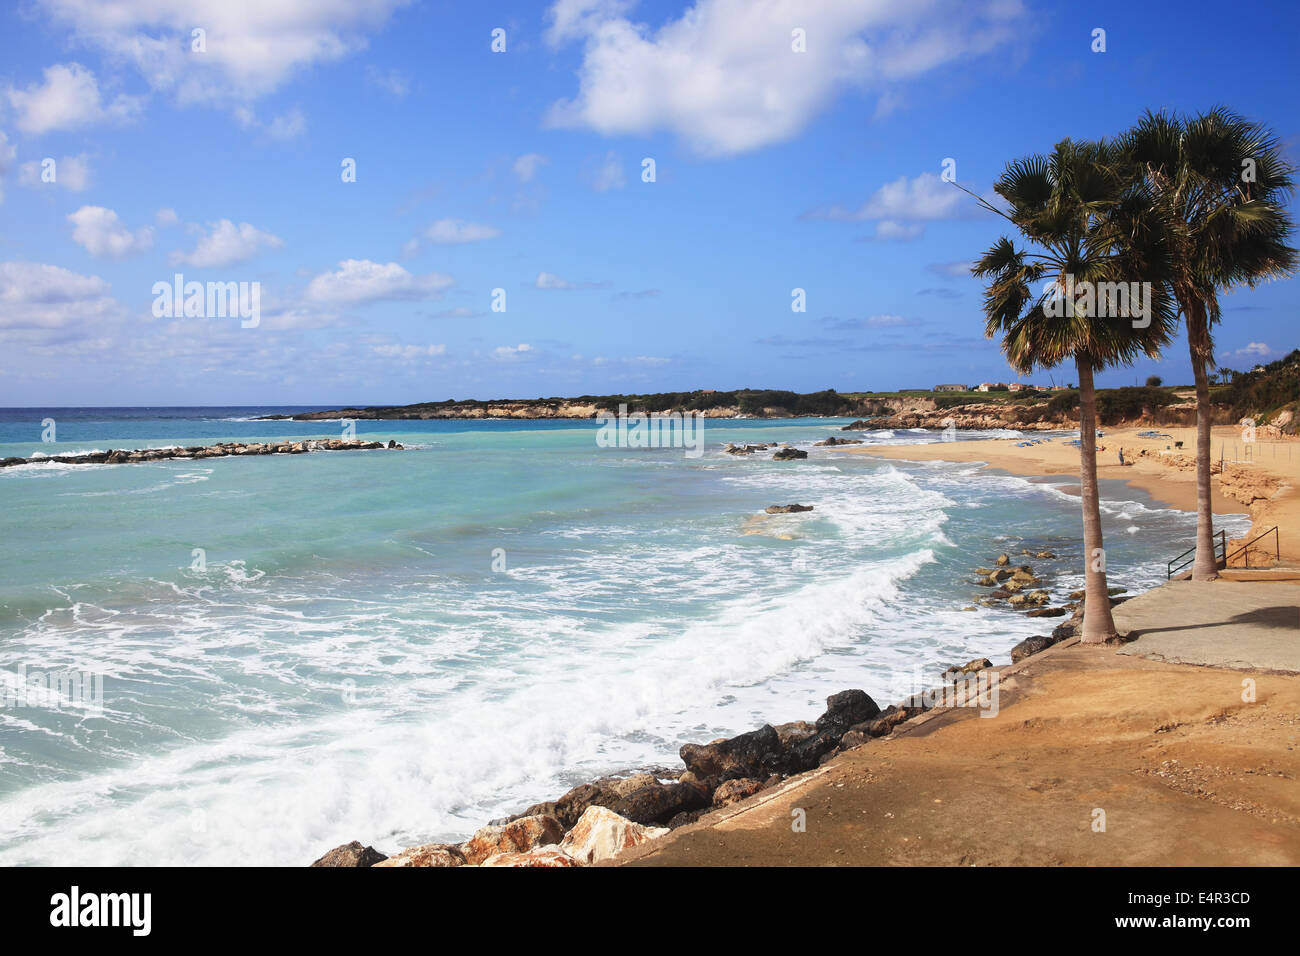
(166, 217)
(68, 98)
(288, 125)
(1254, 350)
(605, 173)
(527, 165)
(358, 281)
(511, 351)
(102, 234)
(724, 77)
(36, 296)
(226, 243)
(926, 197)
(252, 46)
(7, 154)
(70, 172)
(409, 353)
(446, 232)
(550, 281)
(888, 229)
(391, 81)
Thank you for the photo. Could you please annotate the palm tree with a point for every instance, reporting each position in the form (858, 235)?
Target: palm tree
(1220, 182)
(1087, 223)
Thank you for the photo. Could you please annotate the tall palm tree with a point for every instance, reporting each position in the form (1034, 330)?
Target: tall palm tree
(1085, 222)
(1220, 182)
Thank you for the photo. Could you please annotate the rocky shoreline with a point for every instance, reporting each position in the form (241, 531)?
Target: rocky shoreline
(223, 450)
(593, 822)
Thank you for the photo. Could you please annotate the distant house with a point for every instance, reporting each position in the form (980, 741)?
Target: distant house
(950, 388)
(1018, 387)
(991, 387)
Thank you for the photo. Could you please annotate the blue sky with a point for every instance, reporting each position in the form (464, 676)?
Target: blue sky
(522, 171)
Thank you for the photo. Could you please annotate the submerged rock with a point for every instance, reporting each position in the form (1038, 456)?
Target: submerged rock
(788, 454)
(787, 509)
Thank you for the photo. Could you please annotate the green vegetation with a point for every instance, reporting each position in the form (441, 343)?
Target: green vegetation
(1263, 395)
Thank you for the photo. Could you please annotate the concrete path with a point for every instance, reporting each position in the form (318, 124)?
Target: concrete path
(1235, 624)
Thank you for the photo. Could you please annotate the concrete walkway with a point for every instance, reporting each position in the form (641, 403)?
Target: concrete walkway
(1244, 625)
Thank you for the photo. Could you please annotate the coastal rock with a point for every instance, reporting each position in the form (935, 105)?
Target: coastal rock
(570, 807)
(839, 441)
(351, 854)
(733, 791)
(684, 818)
(622, 786)
(889, 718)
(1047, 612)
(845, 709)
(807, 754)
(854, 738)
(431, 854)
(542, 856)
(517, 836)
(971, 667)
(787, 509)
(1003, 560)
(788, 454)
(740, 756)
(794, 732)
(1030, 646)
(661, 802)
(601, 834)
(118, 456)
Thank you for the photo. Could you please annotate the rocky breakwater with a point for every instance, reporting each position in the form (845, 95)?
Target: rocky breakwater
(222, 450)
(596, 821)
(975, 417)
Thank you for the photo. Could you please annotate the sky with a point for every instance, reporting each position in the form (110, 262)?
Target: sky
(581, 197)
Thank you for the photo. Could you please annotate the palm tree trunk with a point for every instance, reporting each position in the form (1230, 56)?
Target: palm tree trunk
(1098, 625)
(1206, 565)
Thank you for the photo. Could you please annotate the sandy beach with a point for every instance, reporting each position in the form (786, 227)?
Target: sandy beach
(1262, 476)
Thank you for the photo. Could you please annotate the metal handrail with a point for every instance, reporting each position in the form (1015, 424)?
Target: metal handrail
(1277, 547)
(1222, 547)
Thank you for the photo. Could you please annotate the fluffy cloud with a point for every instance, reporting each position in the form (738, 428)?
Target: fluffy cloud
(67, 99)
(358, 281)
(225, 244)
(527, 165)
(70, 172)
(1253, 350)
(511, 351)
(101, 233)
(409, 353)
(449, 232)
(927, 197)
(550, 281)
(251, 47)
(45, 297)
(724, 75)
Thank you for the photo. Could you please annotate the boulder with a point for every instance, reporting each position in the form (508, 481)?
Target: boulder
(845, 709)
(971, 667)
(1003, 560)
(684, 818)
(788, 454)
(517, 836)
(661, 802)
(601, 833)
(548, 856)
(740, 756)
(1030, 646)
(570, 807)
(431, 854)
(794, 732)
(733, 791)
(839, 441)
(787, 509)
(622, 786)
(351, 854)
(1047, 612)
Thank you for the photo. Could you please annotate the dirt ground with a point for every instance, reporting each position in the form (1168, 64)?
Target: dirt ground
(1184, 769)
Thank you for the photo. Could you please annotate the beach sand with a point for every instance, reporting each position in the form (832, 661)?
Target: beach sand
(1165, 472)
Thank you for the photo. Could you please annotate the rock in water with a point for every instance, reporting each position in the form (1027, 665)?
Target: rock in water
(787, 509)
(517, 836)
(788, 454)
(351, 854)
(601, 834)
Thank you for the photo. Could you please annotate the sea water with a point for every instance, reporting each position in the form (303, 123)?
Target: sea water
(396, 646)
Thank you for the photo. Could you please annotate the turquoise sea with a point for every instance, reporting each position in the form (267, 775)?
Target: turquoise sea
(396, 646)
